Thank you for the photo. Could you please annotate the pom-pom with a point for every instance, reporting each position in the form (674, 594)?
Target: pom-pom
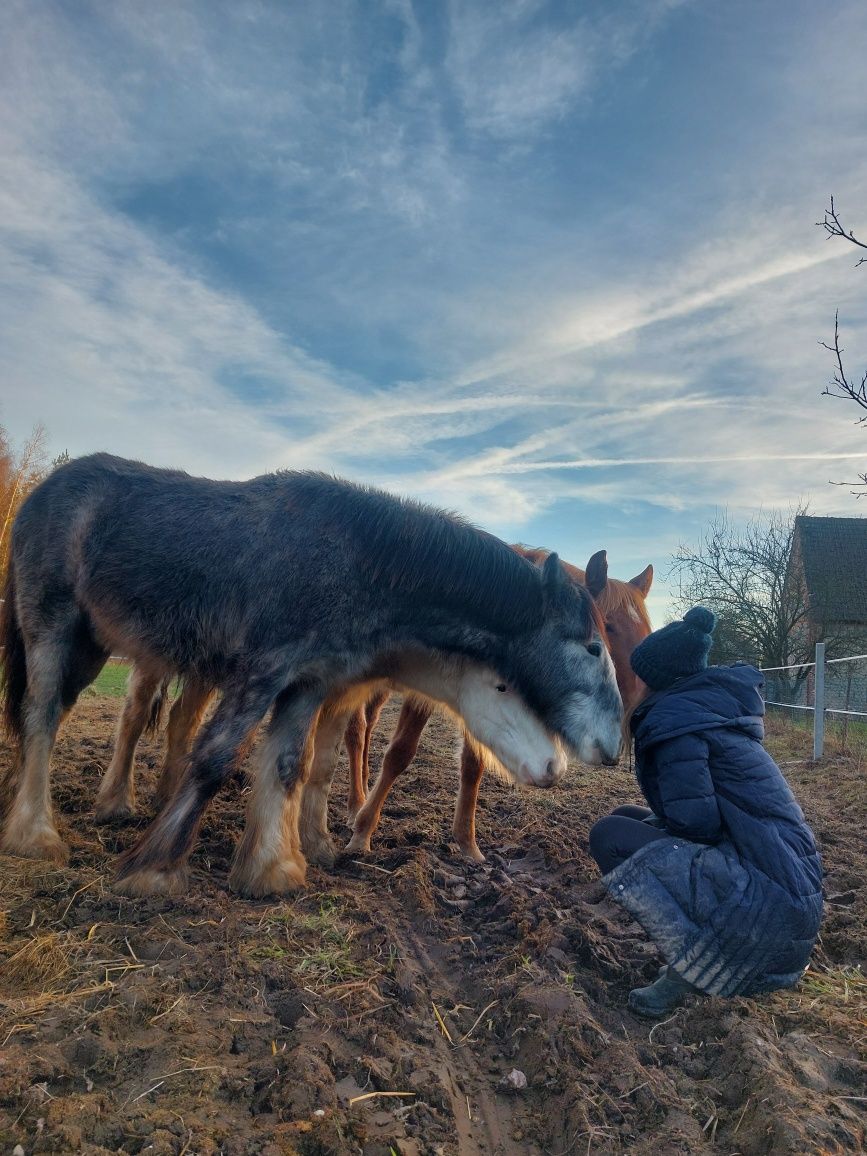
(699, 618)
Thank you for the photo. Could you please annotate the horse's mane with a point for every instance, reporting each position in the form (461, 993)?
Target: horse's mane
(619, 595)
(423, 551)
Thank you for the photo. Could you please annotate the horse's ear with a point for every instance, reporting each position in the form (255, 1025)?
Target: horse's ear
(554, 577)
(596, 574)
(643, 581)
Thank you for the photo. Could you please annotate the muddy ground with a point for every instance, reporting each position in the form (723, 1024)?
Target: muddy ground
(383, 1010)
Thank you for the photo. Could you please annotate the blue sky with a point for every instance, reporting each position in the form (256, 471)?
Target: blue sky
(551, 264)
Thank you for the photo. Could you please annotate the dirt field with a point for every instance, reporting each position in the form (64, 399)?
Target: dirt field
(385, 1010)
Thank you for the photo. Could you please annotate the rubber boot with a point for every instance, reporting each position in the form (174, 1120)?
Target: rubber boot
(660, 997)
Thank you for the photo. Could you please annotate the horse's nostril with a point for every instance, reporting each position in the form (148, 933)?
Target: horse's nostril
(551, 771)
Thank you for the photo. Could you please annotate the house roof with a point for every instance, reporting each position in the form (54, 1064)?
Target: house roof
(834, 556)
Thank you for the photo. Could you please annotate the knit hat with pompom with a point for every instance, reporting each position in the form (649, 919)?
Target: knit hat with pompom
(675, 651)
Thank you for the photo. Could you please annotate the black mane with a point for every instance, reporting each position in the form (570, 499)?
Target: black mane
(417, 549)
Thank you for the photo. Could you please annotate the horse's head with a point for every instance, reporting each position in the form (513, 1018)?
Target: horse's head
(564, 670)
(496, 715)
(623, 608)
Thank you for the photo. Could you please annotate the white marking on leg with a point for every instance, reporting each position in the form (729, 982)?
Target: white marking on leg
(29, 829)
(268, 858)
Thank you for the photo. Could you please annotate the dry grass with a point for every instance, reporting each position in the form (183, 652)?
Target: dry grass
(316, 944)
(791, 739)
(832, 999)
(42, 968)
(47, 971)
(37, 966)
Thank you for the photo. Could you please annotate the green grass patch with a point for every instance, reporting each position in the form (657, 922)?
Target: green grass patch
(111, 681)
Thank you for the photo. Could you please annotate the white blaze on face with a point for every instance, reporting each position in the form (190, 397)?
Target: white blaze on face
(498, 718)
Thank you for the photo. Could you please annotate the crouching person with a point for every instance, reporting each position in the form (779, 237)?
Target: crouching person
(721, 870)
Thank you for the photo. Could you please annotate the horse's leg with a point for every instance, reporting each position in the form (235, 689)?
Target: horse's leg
(315, 839)
(116, 797)
(157, 863)
(184, 719)
(359, 730)
(60, 664)
(371, 717)
(268, 859)
(400, 753)
(354, 738)
(464, 826)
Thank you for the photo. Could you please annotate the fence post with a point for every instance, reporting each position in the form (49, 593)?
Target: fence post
(819, 704)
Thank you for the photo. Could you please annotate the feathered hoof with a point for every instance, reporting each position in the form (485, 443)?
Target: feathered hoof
(322, 852)
(144, 882)
(280, 877)
(43, 843)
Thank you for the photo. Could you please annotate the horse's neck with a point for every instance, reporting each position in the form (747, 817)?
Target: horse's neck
(435, 676)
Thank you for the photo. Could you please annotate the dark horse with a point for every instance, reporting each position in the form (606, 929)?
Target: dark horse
(280, 591)
(625, 624)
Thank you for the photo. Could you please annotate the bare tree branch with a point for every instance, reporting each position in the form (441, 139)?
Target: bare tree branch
(834, 228)
(861, 492)
(840, 385)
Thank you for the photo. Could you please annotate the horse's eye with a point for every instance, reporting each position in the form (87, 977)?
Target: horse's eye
(610, 628)
(594, 648)
(501, 687)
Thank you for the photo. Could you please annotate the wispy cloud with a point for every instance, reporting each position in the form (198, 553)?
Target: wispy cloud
(700, 460)
(521, 64)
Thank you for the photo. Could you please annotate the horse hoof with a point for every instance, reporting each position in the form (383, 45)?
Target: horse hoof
(473, 853)
(44, 844)
(323, 854)
(113, 811)
(148, 881)
(359, 844)
(278, 878)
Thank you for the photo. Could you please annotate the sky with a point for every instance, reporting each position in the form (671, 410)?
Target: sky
(553, 265)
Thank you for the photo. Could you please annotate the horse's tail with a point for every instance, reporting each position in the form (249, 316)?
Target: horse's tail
(158, 707)
(13, 664)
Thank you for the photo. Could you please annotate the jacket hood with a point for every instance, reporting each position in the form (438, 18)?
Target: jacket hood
(721, 696)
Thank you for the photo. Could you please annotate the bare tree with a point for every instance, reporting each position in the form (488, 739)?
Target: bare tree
(740, 572)
(766, 615)
(842, 385)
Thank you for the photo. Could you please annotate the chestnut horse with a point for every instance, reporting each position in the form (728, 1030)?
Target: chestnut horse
(622, 606)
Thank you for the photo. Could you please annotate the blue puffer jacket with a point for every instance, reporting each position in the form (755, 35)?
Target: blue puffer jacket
(733, 899)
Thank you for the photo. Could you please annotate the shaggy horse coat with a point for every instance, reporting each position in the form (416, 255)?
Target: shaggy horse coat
(279, 591)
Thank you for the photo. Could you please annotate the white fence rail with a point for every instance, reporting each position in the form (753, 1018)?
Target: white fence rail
(833, 684)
